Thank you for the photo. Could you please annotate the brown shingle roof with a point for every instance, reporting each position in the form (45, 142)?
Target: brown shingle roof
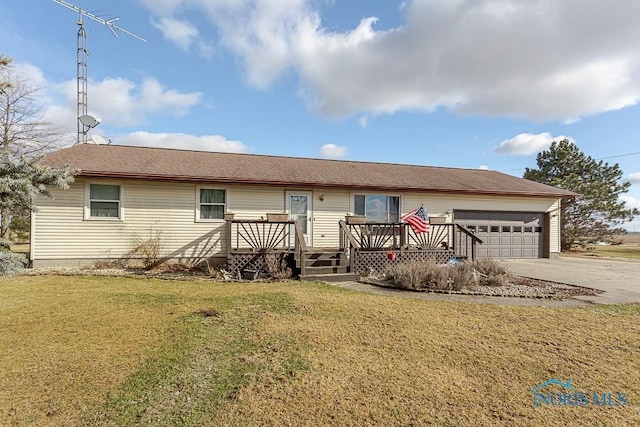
(116, 161)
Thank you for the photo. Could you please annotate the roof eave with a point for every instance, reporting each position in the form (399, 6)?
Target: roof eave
(200, 179)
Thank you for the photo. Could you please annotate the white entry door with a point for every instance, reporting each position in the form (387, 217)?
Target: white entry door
(300, 208)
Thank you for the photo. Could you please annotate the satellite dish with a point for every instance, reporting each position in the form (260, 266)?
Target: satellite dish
(98, 139)
(89, 121)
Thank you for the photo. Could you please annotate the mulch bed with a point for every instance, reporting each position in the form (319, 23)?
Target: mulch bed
(521, 287)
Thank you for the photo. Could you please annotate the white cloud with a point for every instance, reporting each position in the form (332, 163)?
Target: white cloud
(29, 72)
(527, 143)
(363, 121)
(333, 151)
(483, 167)
(121, 102)
(542, 60)
(181, 33)
(181, 141)
(634, 178)
(116, 101)
(185, 35)
(630, 201)
(206, 49)
(153, 97)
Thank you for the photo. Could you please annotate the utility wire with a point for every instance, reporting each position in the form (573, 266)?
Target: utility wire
(620, 155)
(601, 158)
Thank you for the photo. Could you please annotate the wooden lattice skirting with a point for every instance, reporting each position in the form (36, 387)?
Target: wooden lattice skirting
(378, 261)
(237, 262)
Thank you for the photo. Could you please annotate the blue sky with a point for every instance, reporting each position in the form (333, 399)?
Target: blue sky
(461, 83)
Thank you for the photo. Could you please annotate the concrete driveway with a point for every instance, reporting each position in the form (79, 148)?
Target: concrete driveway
(620, 280)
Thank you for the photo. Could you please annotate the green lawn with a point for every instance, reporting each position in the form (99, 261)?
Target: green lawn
(630, 252)
(116, 351)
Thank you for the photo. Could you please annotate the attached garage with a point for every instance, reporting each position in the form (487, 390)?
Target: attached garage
(506, 234)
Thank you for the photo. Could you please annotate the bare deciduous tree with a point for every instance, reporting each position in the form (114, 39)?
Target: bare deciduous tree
(22, 125)
(24, 138)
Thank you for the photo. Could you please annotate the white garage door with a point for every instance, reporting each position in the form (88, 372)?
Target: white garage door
(505, 234)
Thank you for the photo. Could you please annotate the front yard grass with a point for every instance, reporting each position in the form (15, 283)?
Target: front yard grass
(122, 351)
(628, 252)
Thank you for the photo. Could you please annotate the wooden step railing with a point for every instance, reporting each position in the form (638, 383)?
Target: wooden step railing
(465, 242)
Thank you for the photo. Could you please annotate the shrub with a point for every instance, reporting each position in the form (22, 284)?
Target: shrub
(11, 264)
(407, 275)
(277, 267)
(492, 272)
(419, 275)
(210, 268)
(147, 249)
(463, 275)
(436, 277)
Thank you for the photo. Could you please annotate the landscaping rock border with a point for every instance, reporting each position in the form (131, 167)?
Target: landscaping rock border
(523, 287)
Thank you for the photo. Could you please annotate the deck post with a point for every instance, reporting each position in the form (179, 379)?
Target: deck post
(353, 253)
(229, 233)
(473, 250)
(300, 246)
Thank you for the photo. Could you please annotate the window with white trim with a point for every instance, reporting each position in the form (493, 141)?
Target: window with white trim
(104, 201)
(212, 203)
(377, 207)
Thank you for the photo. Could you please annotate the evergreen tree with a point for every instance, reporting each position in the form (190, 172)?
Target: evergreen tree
(5, 61)
(594, 215)
(22, 178)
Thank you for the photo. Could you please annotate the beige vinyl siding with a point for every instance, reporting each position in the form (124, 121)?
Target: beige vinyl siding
(61, 232)
(438, 205)
(554, 225)
(327, 214)
(52, 228)
(253, 202)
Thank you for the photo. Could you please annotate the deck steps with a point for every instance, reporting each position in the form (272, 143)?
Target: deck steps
(325, 265)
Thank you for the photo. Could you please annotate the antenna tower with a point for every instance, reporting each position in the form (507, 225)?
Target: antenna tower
(82, 54)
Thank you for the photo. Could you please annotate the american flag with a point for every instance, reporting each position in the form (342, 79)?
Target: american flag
(417, 219)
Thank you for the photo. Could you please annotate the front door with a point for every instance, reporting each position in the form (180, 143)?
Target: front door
(300, 208)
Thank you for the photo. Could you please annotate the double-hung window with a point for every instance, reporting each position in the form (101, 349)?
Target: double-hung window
(104, 201)
(377, 207)
(211, 203)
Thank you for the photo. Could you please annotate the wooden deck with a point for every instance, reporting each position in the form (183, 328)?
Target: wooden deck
(363, 247)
